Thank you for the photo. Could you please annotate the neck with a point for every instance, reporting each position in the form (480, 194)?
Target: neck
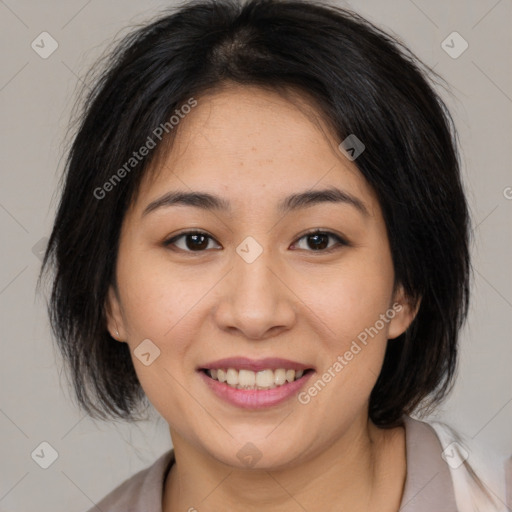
(363, 469)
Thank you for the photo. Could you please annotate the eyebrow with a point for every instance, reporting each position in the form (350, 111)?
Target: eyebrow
(207, 201)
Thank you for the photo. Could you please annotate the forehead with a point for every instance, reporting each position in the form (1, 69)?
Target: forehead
(255, 147)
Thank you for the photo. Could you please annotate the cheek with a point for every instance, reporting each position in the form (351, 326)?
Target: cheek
(351, 303)
(165, 307)
(159, 305)
(354, 295)
(155, 300)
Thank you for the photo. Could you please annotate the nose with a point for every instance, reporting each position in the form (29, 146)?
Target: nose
(254, 300)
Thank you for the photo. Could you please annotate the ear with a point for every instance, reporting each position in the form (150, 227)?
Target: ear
(115, 322)
(405, 311)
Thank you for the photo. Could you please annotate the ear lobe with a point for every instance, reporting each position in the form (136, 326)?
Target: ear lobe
(115, 323)
(405, 312)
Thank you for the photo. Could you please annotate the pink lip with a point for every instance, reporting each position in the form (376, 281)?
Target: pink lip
(253, 398)
(256, 365)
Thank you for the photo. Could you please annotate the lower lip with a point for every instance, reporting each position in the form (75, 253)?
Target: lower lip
(254, 398)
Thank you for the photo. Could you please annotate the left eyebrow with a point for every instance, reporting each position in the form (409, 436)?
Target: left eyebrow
(207, 201)
(328, 195)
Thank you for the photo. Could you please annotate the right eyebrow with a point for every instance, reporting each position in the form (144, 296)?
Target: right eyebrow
(202, 200)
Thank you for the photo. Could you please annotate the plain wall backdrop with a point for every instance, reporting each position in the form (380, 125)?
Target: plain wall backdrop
(37, 95)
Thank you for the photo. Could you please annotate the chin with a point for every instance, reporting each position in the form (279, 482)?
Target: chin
(262, 453)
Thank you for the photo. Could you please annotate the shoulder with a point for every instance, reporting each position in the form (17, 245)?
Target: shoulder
(141, 492)
(479, 476)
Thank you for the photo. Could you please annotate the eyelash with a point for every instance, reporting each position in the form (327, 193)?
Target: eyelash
(340, 241)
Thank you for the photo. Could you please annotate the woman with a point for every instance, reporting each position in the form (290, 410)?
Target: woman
(263, 233)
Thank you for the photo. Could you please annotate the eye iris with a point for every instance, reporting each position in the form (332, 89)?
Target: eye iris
(199, 242)
(322, 241)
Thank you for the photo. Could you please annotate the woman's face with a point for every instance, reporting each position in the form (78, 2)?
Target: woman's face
(255, 297)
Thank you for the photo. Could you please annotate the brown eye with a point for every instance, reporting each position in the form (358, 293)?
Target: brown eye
(194, 241)
(319, 241)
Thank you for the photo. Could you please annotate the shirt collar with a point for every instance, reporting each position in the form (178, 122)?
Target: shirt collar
(428, 484)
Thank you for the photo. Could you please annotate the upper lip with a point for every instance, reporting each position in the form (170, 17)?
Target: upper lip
(256, 365)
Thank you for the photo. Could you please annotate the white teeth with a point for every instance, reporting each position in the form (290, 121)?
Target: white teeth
(265, 378)
(280, 377)
(232, 377)
(247, 379)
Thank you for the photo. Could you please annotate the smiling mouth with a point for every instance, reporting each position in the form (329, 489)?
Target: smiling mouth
(260, 380)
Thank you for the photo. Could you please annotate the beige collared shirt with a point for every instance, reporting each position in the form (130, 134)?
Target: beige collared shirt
(429, 485)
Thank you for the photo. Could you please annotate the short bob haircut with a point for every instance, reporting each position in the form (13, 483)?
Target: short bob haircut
(361, 81)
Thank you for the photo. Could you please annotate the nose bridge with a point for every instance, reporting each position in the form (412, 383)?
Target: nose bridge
(253, 279)
(254, 300)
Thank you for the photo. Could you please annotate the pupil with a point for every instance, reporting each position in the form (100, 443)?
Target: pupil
(203, 242)
(322, 244)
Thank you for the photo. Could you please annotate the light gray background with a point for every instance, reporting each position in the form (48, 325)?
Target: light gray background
(36, 96)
